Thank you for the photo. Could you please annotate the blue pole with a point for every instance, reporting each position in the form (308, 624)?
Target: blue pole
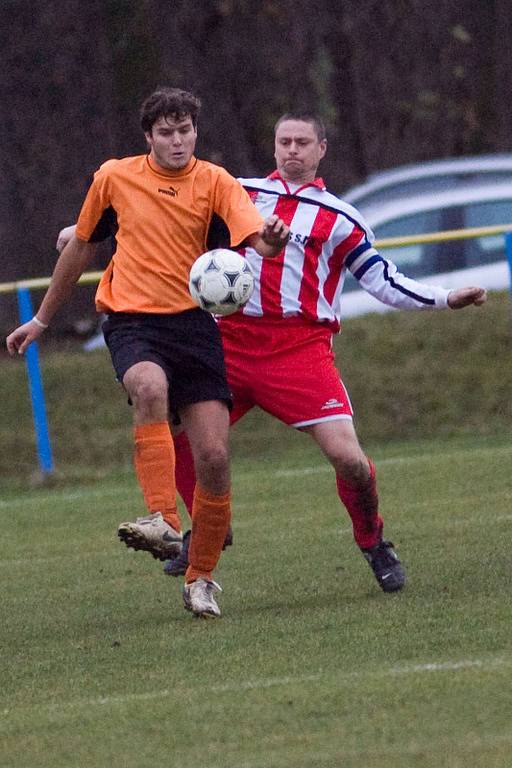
(508, 248)
(44, 449)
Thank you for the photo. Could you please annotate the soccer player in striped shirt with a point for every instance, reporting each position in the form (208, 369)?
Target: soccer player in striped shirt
(278, 348)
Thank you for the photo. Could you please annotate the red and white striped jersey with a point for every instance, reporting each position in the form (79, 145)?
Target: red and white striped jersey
(327, 237)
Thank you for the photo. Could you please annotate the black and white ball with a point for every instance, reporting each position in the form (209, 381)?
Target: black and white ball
(221, 281)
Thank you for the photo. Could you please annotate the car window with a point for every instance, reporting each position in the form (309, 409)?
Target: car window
(485, 250)
(413, 260)
(419, 261)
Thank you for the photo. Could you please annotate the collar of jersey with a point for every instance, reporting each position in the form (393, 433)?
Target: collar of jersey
(155, 168)
(318, 182)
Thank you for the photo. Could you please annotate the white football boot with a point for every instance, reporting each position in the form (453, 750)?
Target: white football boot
(152, 534)
(199, 598)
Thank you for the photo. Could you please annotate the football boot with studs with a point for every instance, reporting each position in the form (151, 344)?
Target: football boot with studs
(386, 566)
(152, 534)
(199, 598)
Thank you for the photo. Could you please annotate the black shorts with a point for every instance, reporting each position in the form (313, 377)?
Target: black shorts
(186, 345)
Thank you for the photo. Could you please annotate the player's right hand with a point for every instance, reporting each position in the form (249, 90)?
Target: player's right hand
(274, 232)
(21, 337)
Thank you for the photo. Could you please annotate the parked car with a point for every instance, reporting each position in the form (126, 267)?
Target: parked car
(436, 175)
(442, 196)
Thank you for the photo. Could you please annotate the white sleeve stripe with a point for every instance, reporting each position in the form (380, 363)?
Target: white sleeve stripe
(362, 247)
(369, 254)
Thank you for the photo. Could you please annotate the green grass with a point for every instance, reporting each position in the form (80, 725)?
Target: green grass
(311, 664)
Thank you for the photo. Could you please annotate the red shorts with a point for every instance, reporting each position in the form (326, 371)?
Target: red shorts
(286, 367)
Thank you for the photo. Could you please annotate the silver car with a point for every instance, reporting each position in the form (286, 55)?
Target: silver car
(433, 197)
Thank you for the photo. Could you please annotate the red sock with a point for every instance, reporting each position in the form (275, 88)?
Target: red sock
(363, 507)
(154, 467)
(185, 471)
(210, 522)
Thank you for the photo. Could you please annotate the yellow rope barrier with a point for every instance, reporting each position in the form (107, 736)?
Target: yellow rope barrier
(388, 242)
(44, 282)
(443, 237)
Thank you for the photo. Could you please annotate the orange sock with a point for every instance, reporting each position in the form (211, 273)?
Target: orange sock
(154, 467)
(211, 516)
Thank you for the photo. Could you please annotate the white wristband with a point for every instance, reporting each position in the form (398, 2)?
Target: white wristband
(39, 324)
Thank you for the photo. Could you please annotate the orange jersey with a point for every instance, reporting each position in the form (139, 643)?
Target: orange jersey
(162, 220)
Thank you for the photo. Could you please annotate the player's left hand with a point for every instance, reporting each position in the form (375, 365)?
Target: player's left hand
(274, 232)
(463, 297)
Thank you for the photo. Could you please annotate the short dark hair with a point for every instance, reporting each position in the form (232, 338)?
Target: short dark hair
(305, 117)
(169, 102)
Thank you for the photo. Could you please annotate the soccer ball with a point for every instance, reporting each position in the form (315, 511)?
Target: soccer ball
(221, 281)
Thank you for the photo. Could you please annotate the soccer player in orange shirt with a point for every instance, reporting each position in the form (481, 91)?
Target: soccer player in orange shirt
(166, 352)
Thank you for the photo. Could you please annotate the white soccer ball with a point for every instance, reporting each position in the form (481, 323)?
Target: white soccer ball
(221, 281)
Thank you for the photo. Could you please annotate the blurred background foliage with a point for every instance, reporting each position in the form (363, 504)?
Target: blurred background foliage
(397, 81)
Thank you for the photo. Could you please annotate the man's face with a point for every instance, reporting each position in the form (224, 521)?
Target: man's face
(172, 142)
(298, 151)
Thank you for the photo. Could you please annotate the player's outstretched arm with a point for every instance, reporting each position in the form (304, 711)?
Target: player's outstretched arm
(271, 238)
(381, 278)
(464, 297)
(71, 263)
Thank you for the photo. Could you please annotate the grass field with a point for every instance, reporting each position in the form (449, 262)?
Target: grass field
(311, 664)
